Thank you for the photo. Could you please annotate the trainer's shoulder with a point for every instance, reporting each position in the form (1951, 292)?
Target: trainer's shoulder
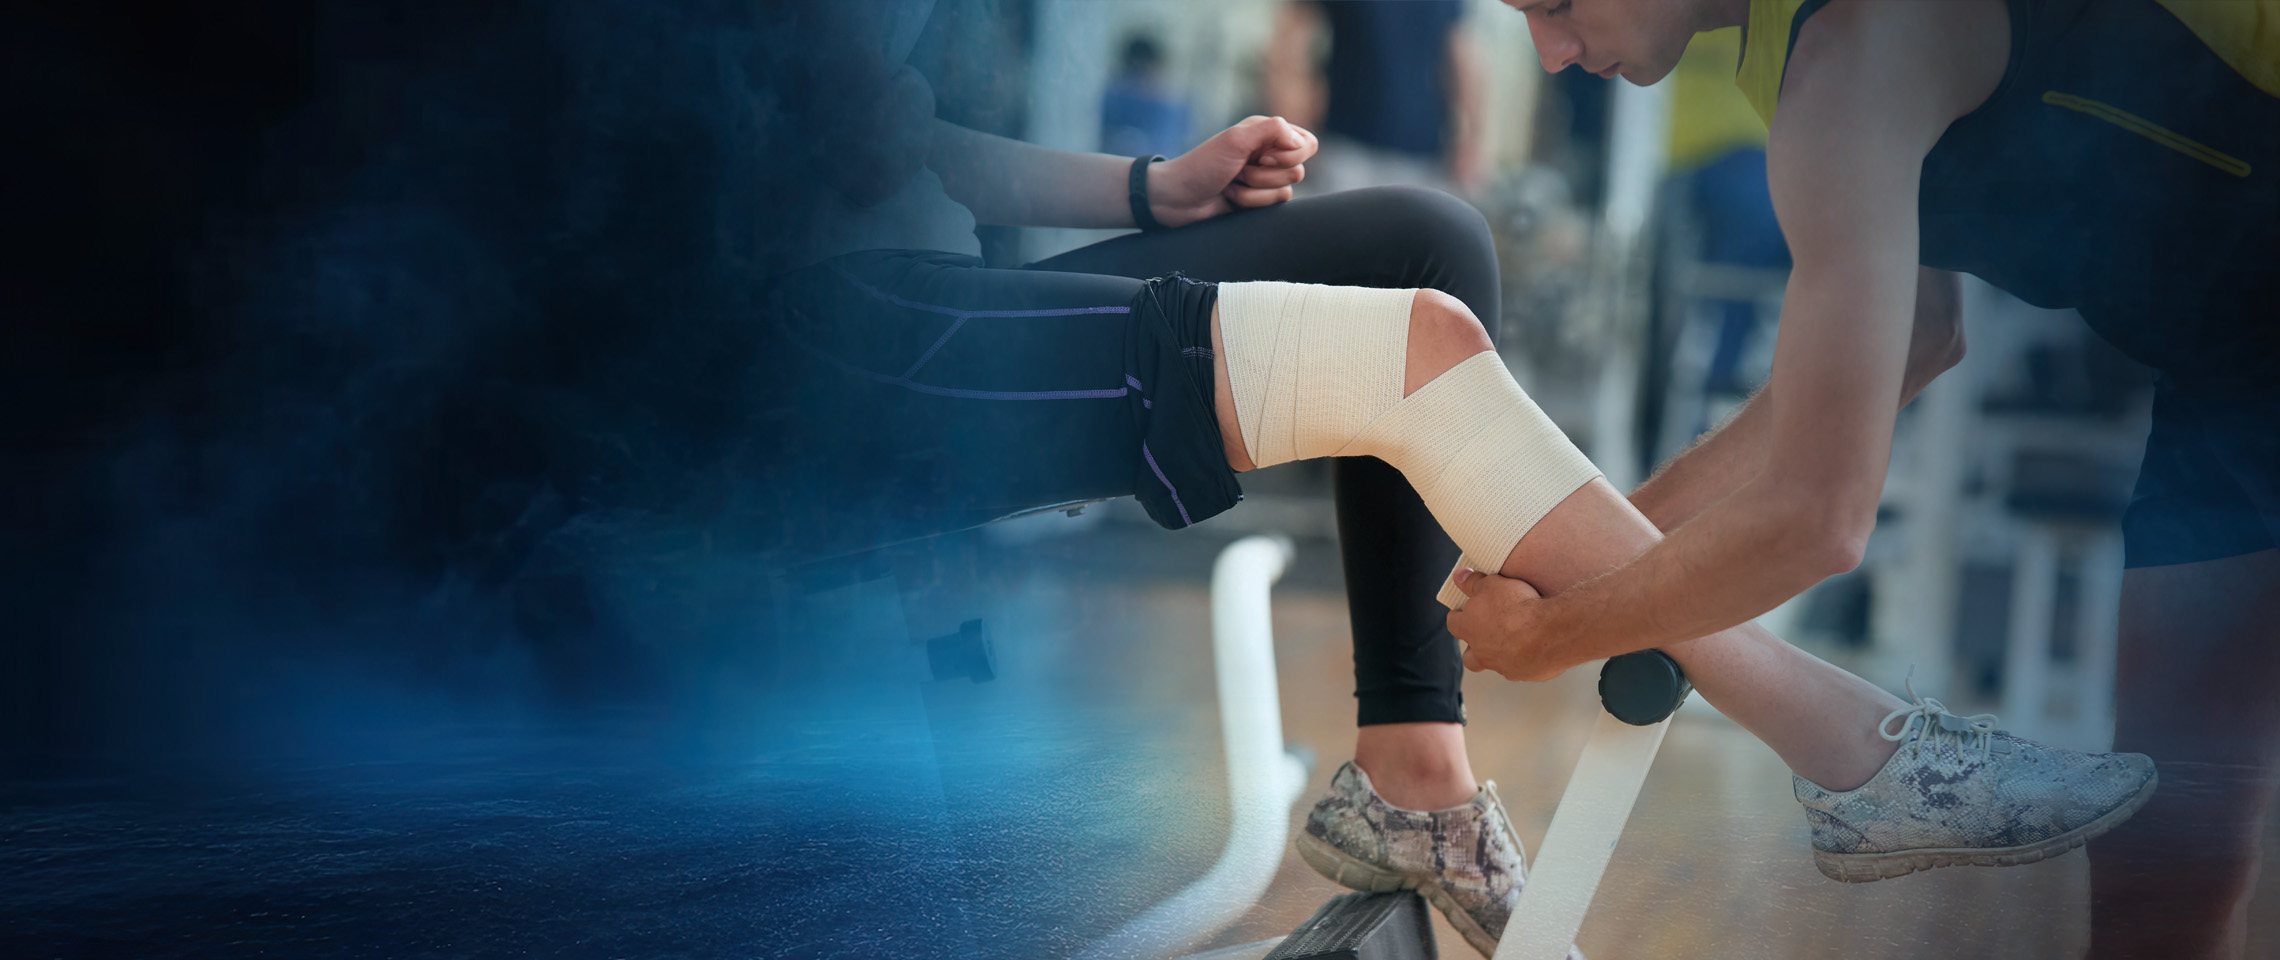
(1908, 60)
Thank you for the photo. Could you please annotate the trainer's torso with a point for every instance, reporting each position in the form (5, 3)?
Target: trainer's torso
(2128, 165)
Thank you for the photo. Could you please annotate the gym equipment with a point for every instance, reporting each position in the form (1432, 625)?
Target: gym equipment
(1640, 691)
(967, 653)
(1363, 926)
(1642, 688)
(1354, 926)
(1263, 778)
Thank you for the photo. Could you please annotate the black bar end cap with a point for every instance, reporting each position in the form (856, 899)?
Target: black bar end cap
(1643, 688)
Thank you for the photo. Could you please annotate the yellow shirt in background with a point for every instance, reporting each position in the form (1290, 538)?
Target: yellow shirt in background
(1709, 116)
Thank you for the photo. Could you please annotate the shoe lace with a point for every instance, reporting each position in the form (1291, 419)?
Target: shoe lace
(1938, 724)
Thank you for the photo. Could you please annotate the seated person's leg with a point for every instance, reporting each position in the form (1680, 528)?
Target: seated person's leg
(1393, 237)
(1409, 754)
(1408, 671)
(921, 393)
(1307, 372)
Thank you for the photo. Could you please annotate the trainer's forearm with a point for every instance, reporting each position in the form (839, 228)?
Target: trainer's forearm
(1734, 452)
(1730, 455)
(1011, 183)
(1741, 557)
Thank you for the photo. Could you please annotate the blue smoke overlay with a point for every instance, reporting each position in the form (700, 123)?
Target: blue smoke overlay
(389, 565)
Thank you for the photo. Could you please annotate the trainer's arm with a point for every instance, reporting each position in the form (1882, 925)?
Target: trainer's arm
(1861, 109)
(1251, 164)
(1735, 451)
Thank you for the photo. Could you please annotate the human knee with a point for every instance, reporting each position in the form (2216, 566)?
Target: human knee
(1407, 377)
(1443, 332)
(1445, 244)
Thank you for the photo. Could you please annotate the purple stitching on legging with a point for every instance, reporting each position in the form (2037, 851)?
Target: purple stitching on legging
(1204, 352)
(963, 314)
(1134, 383)
(909, 384)
(939, 341)
(1159, 471)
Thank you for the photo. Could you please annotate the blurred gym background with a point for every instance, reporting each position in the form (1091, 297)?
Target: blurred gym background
(1643, 283)
(677, 785)
(1642, 288)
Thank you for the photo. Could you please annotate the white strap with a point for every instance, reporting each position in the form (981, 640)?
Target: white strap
(1582, 837)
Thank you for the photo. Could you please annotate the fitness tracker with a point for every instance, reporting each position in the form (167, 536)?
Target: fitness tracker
(1137, 192)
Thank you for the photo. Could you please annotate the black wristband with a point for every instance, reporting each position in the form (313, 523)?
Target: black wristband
(1137, 193)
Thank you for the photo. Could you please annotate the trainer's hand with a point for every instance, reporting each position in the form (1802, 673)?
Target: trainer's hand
(1503, 627)
(1251, 164)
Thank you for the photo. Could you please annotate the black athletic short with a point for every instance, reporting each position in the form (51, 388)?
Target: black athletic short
(921, 392)
(939, 394)
(2210, 484)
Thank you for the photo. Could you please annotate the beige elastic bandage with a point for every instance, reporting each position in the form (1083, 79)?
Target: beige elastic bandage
(1317, 372)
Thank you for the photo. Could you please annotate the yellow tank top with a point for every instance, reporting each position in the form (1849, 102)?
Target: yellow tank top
(1708, 116)
(2127, 167)
(2244, 33)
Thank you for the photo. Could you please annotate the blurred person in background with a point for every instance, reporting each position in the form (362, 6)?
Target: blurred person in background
(2117, 157)
(1141, 114)
(1397, 99)
(1717, 147)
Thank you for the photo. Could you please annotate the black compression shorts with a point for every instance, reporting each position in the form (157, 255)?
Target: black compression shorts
(939, 394)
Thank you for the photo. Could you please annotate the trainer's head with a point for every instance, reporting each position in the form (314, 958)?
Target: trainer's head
(1641, 40)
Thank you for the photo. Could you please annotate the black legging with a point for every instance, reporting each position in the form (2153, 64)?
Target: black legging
(926, 392)
(1406, 666)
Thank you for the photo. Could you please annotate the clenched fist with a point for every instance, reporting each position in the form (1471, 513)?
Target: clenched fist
(1251, 164)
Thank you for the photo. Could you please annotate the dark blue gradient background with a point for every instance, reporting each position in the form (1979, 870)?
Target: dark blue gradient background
(378, 422)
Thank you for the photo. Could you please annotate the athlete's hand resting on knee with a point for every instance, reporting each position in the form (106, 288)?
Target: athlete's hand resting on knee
(1502, 626)
(1251, 164)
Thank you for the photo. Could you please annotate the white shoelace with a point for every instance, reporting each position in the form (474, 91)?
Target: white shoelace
(1938, 722)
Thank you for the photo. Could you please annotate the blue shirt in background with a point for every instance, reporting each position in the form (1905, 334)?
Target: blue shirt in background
(1388, 72)
(1137, 120)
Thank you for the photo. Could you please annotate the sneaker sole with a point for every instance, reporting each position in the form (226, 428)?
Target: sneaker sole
(1871, 867)
(1352, 873)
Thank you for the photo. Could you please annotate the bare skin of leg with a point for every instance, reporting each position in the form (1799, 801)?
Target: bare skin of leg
(1416, 766)
(2193, 689)
(1820, 720)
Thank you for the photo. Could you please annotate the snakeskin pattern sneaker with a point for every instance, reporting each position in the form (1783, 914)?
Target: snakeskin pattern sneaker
(1960, 792)
(1465, 860)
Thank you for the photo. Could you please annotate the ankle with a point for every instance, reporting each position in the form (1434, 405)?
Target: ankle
(1424, 793)
(1851, 772)
(1417, 766)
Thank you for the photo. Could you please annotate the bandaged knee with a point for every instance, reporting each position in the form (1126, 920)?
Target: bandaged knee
(1317, 371)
